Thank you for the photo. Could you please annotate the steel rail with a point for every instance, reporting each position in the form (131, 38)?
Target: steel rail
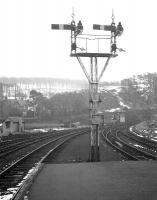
(150, 145)
(133, 147)
(28, 136)
(145, 152)
(21, 143)
(18, 137)
(11, 171)
(135, 135)
(118, 148)
(15, 147)
(35, 150)
(46, 156)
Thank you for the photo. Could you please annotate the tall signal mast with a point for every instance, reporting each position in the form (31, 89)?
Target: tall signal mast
(93, 76)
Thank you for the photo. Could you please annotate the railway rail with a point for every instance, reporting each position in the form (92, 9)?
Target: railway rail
(8, 140)
(15, 146)
(13, 152)
(143, 140)
(138, 143)
(116, 146)
(13, 177)
(21, 138)
(126, 149)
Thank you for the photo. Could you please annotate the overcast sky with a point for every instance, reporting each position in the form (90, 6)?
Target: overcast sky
(29, 48)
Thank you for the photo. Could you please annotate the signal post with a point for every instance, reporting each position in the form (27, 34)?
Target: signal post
(92, 75)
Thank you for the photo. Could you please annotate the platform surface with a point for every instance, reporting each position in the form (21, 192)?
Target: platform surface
(133, 180)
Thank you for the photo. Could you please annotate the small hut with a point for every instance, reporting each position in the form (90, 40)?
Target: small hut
(13, 125)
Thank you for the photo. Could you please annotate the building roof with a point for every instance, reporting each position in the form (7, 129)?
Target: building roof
(14, 119)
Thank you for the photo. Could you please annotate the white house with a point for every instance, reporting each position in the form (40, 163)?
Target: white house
(13, 125)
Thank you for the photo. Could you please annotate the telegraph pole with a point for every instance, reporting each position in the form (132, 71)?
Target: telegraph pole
(92, 76)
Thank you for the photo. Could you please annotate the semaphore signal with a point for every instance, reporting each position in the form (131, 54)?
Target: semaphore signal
(93, 76)
(61, 26)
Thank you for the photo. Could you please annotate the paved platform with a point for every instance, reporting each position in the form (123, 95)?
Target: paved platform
(132, 180)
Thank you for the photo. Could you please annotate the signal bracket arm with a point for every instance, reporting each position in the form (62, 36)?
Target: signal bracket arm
(84, 69)
(104, 68)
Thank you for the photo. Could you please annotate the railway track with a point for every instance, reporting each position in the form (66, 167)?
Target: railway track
(19, 138)
(15, 146)
(13, 178)
(138, 143)
(26, 137)
(14, 151)
(143, 140)
(126, 149)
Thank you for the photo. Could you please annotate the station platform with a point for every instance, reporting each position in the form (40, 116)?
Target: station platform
(115, 180)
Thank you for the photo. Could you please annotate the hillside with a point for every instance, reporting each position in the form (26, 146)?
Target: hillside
(138, 94)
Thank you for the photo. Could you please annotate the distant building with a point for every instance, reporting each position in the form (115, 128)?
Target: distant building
(153, 121)
(75, 124)
(13, 125)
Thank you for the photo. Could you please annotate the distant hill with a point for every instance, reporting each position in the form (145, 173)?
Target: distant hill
(137, 92)
(12, 87)
(69, 99)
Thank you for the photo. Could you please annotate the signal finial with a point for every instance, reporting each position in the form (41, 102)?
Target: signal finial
(113, 17)
(73, 14)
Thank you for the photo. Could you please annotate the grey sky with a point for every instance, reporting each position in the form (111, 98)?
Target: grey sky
(28, 47)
